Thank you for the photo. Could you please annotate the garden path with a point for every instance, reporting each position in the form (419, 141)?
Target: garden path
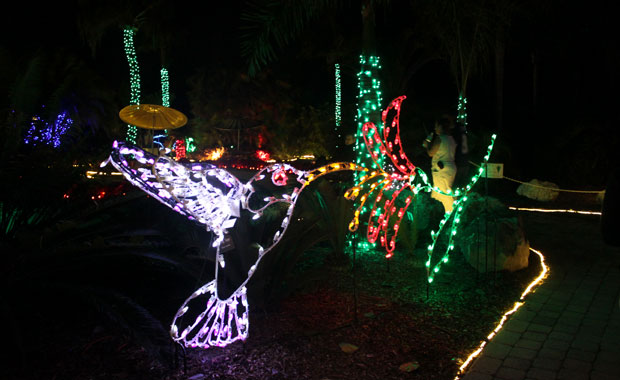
(569, 328)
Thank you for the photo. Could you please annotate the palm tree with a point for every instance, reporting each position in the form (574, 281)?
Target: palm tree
(153, 19)
(462, 30)
(270, 25)
(468, 34)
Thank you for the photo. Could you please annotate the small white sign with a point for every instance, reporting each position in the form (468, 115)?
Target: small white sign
(495, 170)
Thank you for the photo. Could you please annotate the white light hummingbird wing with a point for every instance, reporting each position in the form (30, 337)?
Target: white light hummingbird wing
(217, 313)
(202, 192)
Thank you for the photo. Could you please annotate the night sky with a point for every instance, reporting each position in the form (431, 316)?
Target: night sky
(571, 111)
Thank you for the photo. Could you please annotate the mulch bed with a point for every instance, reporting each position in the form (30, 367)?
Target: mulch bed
(399, 331)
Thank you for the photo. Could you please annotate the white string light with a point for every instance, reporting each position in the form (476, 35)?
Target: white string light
(214, 198)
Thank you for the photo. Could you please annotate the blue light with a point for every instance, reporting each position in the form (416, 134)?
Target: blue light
(41, 132)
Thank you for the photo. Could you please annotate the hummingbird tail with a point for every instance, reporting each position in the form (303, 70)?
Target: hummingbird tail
(221, 323)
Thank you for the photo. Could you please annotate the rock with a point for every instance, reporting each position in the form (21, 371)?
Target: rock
(490, 238)
(409, 366)
(539, 190)
(505, 247)
(422, 216)
(600, 197)
(348, 348)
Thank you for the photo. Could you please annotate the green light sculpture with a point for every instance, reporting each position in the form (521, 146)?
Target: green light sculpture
(381, 188)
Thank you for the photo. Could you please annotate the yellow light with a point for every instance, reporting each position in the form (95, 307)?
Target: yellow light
(213, 154)
(543, 274)
(556, 210)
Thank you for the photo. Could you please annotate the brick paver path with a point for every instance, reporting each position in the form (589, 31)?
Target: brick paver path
(570, 327)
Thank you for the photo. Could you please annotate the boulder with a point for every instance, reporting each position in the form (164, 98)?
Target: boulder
(539, 190)
(490, 238)
(495, 245)
(600, 197)
(421, 217)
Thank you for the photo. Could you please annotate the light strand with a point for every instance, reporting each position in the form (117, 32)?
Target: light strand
(338, 103)
(461, 113)
(134, 78)
(165, 101)
(461, 198)
(544, 272)
(570, 211)
(179, 149)
(369, 100)
(385, 184)
(48, 133)
(165, 87)
(190, 144)
(215, 198)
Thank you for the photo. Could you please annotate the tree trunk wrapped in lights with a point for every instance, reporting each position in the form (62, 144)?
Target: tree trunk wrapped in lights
(134, 78)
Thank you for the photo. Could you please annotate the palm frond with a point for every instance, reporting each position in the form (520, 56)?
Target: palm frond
(25, 90)
(268, 25)
(133, 319)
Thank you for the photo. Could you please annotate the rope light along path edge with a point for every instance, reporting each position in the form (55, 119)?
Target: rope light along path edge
(544, 272)
(571, 211)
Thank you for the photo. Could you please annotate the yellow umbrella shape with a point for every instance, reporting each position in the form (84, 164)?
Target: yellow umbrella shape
(152, 116)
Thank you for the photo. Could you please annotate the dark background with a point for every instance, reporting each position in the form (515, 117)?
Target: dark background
(560, 71)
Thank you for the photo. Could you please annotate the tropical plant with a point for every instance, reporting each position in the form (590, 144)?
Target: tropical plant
(463, 30)
(56, 83)
(269, 25)
(320, 219)
(97, 264)
(264, 112)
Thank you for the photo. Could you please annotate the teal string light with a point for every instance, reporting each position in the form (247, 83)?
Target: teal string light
(165, 88)
(165, 101)
(461, 112)
(338, 111)
(458, 205)
(134, 78)
(368, 107)
(368, 110)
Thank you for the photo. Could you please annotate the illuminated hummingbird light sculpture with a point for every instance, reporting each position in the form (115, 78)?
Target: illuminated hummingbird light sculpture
(216, 314)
